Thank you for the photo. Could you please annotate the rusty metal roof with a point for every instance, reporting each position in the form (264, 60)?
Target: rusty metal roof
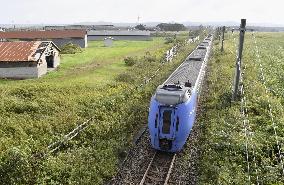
(17, 51)
(26, 51)
(51, 34)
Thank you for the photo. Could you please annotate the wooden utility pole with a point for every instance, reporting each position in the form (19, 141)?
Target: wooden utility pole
(223, 32)
(239, 59)
(219, 33)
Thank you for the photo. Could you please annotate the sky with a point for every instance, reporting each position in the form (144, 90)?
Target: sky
(70, 11)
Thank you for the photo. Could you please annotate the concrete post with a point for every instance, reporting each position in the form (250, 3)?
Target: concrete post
(239, 59)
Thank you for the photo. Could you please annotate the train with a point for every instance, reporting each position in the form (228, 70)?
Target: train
(173, 107)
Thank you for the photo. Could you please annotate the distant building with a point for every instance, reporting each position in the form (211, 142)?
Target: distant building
(27, 59)
(82, 27)
(2, 30)
(59, 37)
(119, 35)
(108, 41)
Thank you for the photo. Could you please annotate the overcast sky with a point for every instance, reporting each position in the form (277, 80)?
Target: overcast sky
(72, 11)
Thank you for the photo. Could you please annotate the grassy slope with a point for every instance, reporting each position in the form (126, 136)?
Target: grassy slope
(94, 62)
(28, 99)
(223, 152)
(39, 108)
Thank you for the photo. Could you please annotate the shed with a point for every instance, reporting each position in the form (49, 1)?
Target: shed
(108, 41)
(119, 35)
(58, 37)
(27, 59)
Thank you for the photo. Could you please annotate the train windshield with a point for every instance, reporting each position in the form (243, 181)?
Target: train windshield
(167, 117)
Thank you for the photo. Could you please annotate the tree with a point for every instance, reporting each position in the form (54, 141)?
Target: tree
(140, 27)
(171, 27)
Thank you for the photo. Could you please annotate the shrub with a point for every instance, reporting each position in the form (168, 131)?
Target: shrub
(125, 77)
(169, 40)
(149, 58)
(70, 49)
(130, 61)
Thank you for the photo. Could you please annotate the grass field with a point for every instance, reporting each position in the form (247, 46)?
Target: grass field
(35, 113)
(238, 149)
(95, 61)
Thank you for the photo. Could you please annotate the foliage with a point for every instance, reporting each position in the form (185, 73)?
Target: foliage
(140, 27)
(130, 61)
(36, 113)
(171, 27)
(223, 155)
(70, 48)
(169, 40)
(125, 77)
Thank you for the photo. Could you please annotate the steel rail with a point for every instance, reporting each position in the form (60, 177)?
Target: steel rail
(169, 168)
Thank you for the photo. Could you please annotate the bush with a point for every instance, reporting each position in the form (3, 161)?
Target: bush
(130, 61)
(149, 58)
(70, 49)
(169, 40)
(125, 77)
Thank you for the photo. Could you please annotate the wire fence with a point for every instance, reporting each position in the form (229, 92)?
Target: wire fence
(248, 133)
(267, 90)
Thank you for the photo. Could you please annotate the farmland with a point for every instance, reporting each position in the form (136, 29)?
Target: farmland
(95, 83)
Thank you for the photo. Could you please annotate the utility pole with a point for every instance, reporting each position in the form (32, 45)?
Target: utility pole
(223, 32)
(219, 33)
(239, 59)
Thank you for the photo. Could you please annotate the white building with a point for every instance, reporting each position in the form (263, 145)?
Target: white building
(27, 59)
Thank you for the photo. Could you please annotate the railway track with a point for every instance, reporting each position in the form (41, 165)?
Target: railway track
(146, 166)
(159, 169)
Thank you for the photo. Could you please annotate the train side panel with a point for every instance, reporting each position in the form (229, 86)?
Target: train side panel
(154, 117)
(186, 114)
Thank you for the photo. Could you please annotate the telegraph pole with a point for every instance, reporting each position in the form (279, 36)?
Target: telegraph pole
(239, 59)
(219, 33)
(223, 32)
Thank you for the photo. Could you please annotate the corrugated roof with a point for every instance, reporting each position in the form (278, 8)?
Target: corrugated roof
(118, 33)
(51, 34)
(17, 51)
(27, 51)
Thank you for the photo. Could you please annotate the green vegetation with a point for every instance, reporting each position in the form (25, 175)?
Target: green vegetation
(171, 27)
(130, 61)
(140, 27)
(223, 155)
(95, 83)
(70, 49)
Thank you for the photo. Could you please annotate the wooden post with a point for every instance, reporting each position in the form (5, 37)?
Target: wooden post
(223, 32)
(239, 59)
(219, 33)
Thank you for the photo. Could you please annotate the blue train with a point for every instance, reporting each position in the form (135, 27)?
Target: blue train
(173, 107)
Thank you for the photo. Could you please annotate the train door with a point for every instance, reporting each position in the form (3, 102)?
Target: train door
(166, 125)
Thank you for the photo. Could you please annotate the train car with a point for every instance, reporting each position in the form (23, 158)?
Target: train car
(173, 106)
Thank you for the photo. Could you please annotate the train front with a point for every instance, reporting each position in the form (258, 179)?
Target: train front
(171, 116)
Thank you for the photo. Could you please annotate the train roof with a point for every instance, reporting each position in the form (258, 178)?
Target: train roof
(172, 94)
(189, 70)
(177, 88)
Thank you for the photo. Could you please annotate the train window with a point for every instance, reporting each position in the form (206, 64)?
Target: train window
(167, 115)
(156, 121)
(177, 124)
